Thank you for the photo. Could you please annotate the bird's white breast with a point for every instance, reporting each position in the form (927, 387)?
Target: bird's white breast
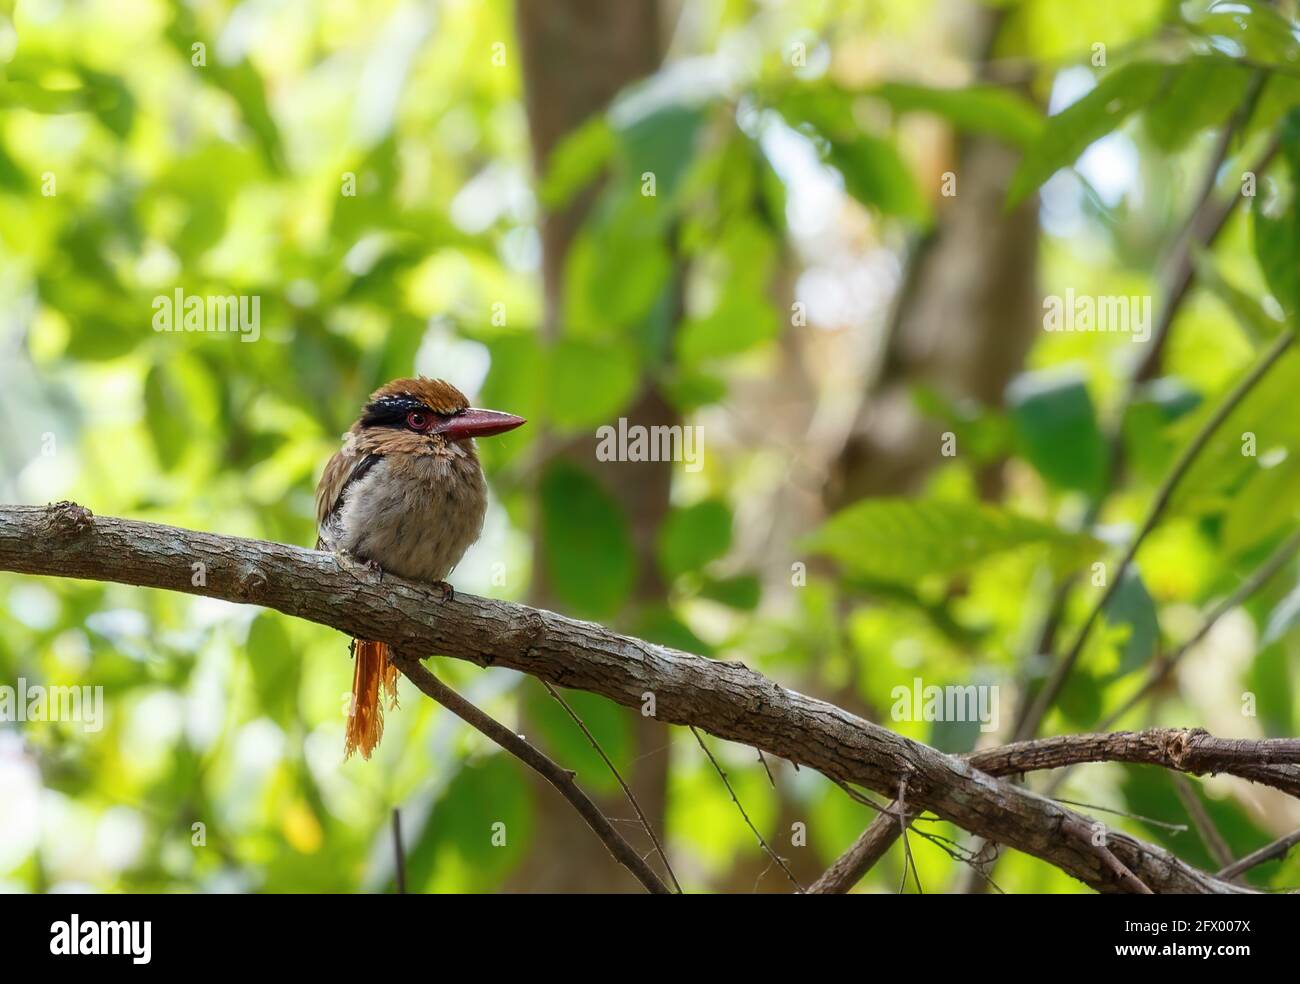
(415, 514)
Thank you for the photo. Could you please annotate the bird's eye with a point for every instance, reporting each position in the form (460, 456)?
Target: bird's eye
(417, 420)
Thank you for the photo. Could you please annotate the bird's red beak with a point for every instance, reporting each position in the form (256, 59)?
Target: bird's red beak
(478, 423)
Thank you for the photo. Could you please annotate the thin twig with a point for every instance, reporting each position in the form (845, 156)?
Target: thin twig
(1269, 852)
(1201, 229)
(1175, 828)
(399, 856)
(1051, 690)
(834, 882)
(1202, 821)
(1171, 748)
(1256, 580)
(770, 853)
(561, 778)
(1084, 836)
(627, 790)
(733, 702)
(908, 860)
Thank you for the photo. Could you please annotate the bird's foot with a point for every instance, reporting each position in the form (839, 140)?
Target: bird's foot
(373, 566)
(447, 591)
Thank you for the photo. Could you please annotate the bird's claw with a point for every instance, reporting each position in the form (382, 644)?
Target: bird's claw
(447, 591)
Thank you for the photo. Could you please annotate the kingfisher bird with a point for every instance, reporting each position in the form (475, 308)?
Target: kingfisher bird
(404, 495)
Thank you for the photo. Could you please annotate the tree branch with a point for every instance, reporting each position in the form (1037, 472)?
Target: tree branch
(727, 699)
(1269, 852)
(627, 790)
(1194, 751)
(1046, 697)
(562, 779)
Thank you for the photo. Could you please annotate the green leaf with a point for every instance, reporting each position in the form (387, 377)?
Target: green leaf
(1247, 29)
(1283, 619)
(1277, 226)
(588, 382)
(740, 321)
(513, 382)
(876, 175)
(904, 539)
(1259, 325)
(1200, 96)
(240, 81)
(565, 742)
(166, 415)
(618, 267)
(1149, 445)
(1266, 415)
(1268, 504)
(110, 100)
(1070, 132)
(741, 592)
(987, 109)
(693, 536)
(586, 546)
(1056, 426)
(662, 143)
(1081, 700)
(1131, 605)
(873, 171)
(487, 799)
(276, 667)
(576, 162)
(1270, 680)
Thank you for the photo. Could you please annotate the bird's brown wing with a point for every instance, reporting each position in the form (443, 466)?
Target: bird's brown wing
(344, 468)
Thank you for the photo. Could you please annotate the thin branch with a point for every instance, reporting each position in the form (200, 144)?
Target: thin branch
(399, 856)
(900, 808)
(1194, 751)
(828, 883)
(725, 698)
(1201, 229)
(1085, 833)
(1162, 669)
(1202, 821)
(1173, 828)
(763, 843)
(1269, 852)
(627, 790)
(1046, 697)
(562, 779)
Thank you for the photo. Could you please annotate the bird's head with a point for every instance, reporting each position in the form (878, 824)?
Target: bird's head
(432, 407)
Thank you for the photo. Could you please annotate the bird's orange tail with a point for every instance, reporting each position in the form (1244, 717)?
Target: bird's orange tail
(366, 713)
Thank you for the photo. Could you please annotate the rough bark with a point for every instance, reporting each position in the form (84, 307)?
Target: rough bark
(727, 699)
(1185, 750)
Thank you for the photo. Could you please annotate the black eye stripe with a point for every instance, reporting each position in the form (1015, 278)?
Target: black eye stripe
(391, 411)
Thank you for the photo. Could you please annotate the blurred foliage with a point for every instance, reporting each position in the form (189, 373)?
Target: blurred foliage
(363, 170)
